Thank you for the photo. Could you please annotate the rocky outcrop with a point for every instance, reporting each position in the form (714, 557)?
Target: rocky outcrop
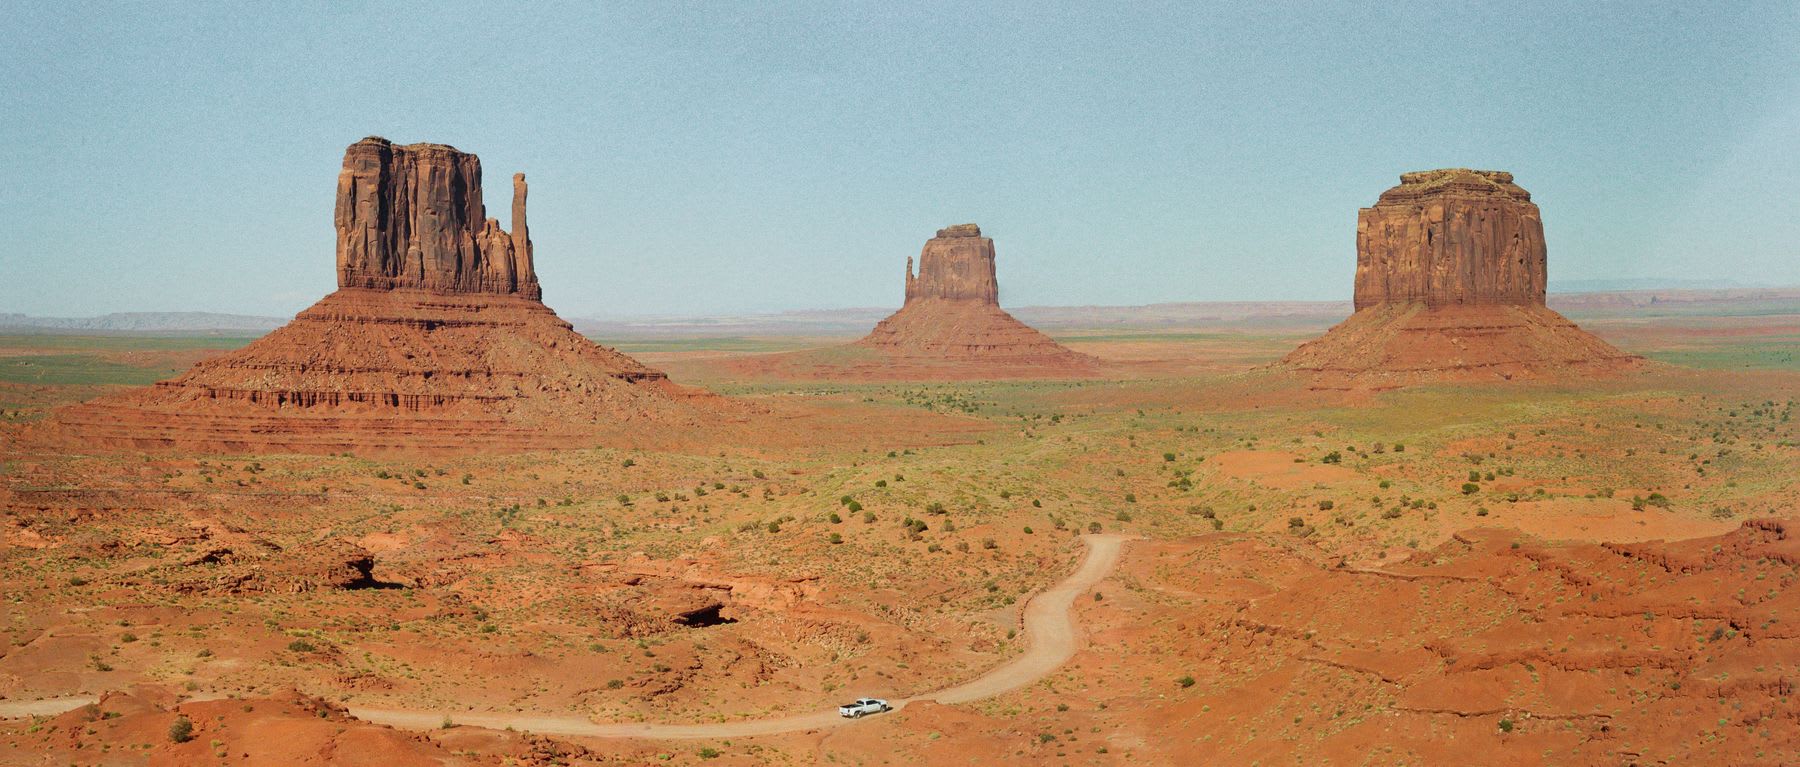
(412, 217)
(956, 265)
(435, 340)
(1450, 277)
(952, 325)
(1451, 237)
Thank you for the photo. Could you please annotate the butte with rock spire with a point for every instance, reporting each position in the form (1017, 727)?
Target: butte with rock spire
(435, 339)
(1450, 284)
(951, 327)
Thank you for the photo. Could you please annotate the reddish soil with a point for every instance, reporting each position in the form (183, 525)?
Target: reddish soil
(287, 728)
(1493, 648)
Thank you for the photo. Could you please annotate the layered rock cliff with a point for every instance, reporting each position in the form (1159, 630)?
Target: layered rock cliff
(411, 216)
(1451, 237)
(956, 265)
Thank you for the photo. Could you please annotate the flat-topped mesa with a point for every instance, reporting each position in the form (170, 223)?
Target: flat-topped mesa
(411, 216)
(1451, 237)
(1450, 287)
(956, 265)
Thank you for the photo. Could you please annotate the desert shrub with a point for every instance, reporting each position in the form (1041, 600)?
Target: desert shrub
(1186, 681)
(835, 519)
(1123, 516)
(988, 543)
(1470, 488)
(1168, 457)
(627, 463)
(1094, 527)
(181, 730)
(1332, 457)
(301, 645)
(1028, 530)
(1325, 505)
(853, 506)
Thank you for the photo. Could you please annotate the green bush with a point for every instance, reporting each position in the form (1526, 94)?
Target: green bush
(182, 730)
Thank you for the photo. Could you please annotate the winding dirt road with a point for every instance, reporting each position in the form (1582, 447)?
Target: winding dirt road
(1050, 633)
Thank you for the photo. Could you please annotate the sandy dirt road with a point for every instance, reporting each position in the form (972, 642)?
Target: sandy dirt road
(1050, 633)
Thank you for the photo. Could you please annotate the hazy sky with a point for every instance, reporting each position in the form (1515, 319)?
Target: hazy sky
(729, 157)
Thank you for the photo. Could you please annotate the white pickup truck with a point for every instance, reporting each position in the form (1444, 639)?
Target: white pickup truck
(863, 706)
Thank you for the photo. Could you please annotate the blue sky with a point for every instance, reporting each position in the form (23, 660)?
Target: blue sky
(719, 158)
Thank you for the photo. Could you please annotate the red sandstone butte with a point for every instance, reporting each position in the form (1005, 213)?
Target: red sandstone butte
(1450, 280)
(435, 339)
(952, 314)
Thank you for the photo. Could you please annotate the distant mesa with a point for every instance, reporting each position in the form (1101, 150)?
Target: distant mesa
(435, 339)
(951, 327)
(1450, 282)
(952, 315)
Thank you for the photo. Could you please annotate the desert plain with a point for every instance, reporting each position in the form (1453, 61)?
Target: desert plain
(1589, 571)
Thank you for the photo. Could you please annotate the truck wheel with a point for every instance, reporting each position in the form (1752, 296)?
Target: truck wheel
(856, 715)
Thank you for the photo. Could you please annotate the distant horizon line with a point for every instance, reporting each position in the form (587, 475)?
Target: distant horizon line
(1564, 289)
